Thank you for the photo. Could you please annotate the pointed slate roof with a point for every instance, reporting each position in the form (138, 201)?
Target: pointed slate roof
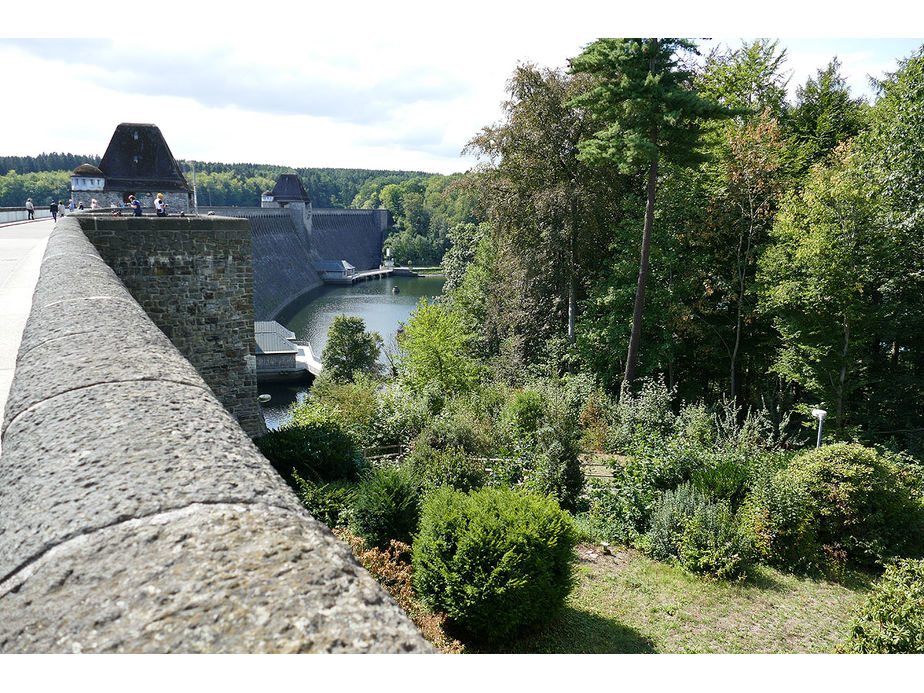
(138, 159)
(290, 189)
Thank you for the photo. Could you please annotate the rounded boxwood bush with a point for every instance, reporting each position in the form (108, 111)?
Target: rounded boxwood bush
(495, 561)
(892, 619)
(859, 504)
(386, 507)
(317, 451)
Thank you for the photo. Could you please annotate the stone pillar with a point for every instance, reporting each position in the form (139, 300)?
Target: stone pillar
(194, 278)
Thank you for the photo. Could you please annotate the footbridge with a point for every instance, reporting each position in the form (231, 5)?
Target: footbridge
(136, 515)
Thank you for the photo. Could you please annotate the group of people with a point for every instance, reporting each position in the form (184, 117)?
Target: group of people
(160, 206)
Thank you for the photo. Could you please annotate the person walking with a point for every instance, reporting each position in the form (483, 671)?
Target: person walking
(30, 209)
(160, 205)
(53, 208)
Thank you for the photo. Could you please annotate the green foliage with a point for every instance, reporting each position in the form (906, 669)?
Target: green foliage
(824, 115)
(778, 515)
(549, 214)
(496, 561)
(457, 427)
(703, 536)
(820, 284)
(354, 405)
(637, 418)
(400, 415)
(433, 348)
(386, 507)
(523, 413)
(328, 503)
(644, 102)
(425, 209)
(751, 76)
(350, 349)
(859, 505)
(312, 444)
(891, 621)
(42, 187)
(451, 467)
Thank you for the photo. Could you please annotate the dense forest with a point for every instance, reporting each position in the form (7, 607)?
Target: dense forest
(781, 249)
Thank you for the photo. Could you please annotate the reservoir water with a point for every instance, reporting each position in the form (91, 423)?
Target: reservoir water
(374, 301)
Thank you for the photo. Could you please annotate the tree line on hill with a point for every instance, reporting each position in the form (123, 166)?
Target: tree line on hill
(425, 206)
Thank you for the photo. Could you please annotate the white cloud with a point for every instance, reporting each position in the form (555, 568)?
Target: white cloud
(368, 84)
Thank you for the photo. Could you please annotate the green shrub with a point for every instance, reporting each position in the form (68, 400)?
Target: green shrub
(860, 506)
(712, 543)
(450, 467)
(328, 503)
(637, 419)
(555, 468)
(523, 414)
(723, 475)
(386, 507)
(892, 619)
(318, 451)
(668, 520)
(458, 428)
(400, 416)
(353, 405)
(704, 537)
(617, 512)
(496, 561)
(779, 518)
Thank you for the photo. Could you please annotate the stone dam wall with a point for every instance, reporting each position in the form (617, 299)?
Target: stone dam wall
(135, 513)
(285, 252)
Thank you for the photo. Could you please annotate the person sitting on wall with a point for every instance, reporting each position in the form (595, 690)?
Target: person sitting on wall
(160, 205)
(135, 205)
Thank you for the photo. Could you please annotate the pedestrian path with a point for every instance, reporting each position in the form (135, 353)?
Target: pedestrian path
(22, 246)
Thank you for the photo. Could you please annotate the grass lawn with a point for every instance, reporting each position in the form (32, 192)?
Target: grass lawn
(628, 603)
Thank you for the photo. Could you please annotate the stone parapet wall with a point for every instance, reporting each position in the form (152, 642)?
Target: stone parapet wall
(137, 516)
(193, 277)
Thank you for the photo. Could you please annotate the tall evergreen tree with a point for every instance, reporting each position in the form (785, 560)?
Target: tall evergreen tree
(647, 111)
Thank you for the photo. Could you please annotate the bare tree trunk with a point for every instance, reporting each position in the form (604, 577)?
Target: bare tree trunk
(572, 308)
(634, 338)
(843, 378)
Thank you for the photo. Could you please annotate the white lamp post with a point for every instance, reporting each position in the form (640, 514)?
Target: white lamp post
(819, 414)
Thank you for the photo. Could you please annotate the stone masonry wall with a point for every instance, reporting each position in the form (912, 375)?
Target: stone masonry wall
(193, 276)
(136, 515)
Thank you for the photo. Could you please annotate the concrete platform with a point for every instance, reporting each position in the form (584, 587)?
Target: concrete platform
(22, 247)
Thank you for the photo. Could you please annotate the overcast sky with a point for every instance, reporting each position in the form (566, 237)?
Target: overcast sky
(399, 85)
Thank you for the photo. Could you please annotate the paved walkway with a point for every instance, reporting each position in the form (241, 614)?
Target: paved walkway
(22, 246)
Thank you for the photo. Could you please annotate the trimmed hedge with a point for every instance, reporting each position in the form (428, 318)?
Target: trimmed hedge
(496, 561)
